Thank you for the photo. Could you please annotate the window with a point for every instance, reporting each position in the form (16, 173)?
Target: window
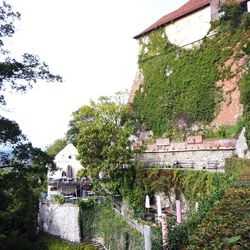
(64, 174)
(70, 156)
(53, 189)
(69, 172)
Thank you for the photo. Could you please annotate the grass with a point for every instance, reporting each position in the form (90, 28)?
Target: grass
(49, 242)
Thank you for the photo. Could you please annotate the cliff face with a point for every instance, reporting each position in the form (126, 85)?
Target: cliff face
(230, 107)
(136, 85)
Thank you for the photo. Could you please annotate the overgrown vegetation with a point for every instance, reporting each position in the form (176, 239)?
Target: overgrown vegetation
(245, 96)
(195, 186)
(49, 242)
(226, 226)
(101, 221)
(178, 80)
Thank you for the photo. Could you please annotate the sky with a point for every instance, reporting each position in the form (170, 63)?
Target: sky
(89, 43)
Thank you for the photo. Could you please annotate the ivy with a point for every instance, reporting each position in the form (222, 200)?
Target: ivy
(179, 80)
(101, 221)
(245, 97)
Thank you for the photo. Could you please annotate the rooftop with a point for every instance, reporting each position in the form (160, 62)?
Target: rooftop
(186, 9)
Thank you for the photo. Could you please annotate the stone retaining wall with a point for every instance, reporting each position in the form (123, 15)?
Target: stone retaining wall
(59, 220)
(201, 159)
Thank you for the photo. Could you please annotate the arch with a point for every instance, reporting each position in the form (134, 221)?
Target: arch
(64, 174)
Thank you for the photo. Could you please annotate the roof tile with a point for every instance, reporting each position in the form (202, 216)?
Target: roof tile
(187, 8)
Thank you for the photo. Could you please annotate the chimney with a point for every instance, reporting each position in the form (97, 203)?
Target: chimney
(215, 7)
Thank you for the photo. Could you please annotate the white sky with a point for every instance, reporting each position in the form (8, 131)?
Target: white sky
(89, 43)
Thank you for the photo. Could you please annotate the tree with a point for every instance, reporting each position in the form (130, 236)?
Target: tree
(22, 167)
(54, 148)
(14, 74)
(102, 136)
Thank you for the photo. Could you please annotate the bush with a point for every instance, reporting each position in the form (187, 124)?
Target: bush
(58, 199)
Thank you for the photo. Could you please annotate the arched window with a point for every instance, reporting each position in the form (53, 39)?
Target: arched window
(64, 174)
(69, 172)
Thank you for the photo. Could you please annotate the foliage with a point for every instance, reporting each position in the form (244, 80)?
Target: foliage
(58, 199)
(54, 148)
(221, 219)
(232, 17)
(245, 99)
(224, 131)
(226, 226)
(22, 167)
(102, 222)
(238, 166)
(166, 92)
(28, 70)
(102, 136)
(179, 233)
(134, 187)
(49, 242)
(20, 187)
(195, 186)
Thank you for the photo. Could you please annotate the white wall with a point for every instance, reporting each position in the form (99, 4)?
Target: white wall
(190, 28)
(63, 159)
(60, 220)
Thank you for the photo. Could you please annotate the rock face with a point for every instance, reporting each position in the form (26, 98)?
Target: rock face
(230, 108)
(60, 220)
(136, 85)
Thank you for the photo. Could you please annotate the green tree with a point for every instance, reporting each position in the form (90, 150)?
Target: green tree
(22, 167)
(54, 148)
(102, 136)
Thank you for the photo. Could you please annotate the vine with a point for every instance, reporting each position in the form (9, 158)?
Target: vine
(178, 80)
(101, 221)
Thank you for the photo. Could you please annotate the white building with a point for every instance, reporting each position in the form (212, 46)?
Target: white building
(189, 24)
(64, 181)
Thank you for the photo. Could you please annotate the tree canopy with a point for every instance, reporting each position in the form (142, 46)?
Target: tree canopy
(101, 133)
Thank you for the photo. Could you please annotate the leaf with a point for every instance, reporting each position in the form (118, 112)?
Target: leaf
(233, 239)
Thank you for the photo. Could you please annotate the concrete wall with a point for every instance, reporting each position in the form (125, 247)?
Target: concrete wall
(59, 220)
(189, 29)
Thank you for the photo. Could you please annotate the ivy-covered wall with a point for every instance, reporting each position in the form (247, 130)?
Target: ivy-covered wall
(179, 81)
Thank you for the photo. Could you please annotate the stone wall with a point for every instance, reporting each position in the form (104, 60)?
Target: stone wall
(59, 220)
(198, 158)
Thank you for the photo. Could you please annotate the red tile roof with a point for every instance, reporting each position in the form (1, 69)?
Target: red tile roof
(187, 8)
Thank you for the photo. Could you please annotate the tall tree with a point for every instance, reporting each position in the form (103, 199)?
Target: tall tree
(101, 131)
(22, 167)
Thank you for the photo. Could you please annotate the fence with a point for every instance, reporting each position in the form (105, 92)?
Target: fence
(144, 230)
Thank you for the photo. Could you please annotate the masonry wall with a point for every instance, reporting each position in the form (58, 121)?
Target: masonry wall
(59, 220)
(201, 158)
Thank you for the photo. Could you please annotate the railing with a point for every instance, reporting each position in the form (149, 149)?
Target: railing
(130, 222)
(166, 164)
(64, 182)
(214, 164)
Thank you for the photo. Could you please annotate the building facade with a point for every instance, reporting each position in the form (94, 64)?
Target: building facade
(64, 181)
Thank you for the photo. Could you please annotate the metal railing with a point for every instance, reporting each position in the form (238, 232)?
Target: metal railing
(64, 182)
